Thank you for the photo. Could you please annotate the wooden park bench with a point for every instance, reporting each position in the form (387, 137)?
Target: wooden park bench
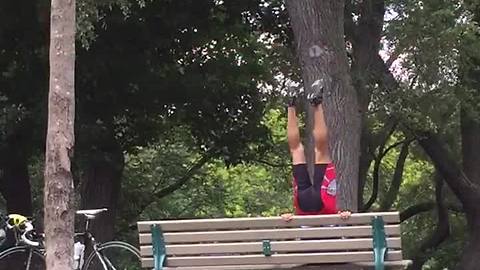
(364, 241)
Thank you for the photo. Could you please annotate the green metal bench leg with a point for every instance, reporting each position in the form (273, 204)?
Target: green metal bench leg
(379, 243)
(267, 248)
(159, 251)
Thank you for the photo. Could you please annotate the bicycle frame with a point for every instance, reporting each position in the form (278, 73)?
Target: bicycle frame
(89, 241)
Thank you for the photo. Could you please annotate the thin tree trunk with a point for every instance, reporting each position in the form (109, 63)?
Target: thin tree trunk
(58, 200)
(319, 35)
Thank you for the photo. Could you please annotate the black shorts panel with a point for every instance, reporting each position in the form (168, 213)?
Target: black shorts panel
(309, 198)
(300, 173)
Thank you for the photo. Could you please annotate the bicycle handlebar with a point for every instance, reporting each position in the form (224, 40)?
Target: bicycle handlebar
(28, 229)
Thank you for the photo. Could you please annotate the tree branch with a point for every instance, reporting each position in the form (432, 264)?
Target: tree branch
(393, 57)
(425, 207)
(179, 182)
(404, 142)
(465, 190)
(377, 164)
(383, 75)
(349, 24)
(441, 232)
(375, 184)
(397, 180)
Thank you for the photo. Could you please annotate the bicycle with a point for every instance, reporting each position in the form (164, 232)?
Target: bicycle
(29, 252)
(26, 253)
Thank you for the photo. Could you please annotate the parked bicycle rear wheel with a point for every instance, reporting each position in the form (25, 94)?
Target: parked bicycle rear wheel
(22, 258)
(117, 256)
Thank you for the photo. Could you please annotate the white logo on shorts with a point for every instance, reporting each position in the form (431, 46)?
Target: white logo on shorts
(331, 188)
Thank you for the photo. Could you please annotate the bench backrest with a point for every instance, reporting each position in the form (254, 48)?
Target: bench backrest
(270, 240)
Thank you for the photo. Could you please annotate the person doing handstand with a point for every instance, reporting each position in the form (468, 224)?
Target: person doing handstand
(315, 197)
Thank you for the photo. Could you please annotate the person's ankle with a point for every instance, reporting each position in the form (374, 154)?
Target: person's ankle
(291, 102)
(315, 97)
(314, 100)
(291, 97)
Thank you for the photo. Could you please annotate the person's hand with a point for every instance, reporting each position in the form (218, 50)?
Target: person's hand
(287, 217)
(345, 214)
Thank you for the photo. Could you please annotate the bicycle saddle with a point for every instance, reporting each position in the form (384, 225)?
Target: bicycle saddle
(91, 213)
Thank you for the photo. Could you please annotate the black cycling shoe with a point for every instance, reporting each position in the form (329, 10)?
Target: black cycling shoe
(292, 96)
(315, 97)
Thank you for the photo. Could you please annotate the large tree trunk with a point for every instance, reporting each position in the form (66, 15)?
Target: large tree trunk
(364, 36)
(101, 184)
(470, 128)
(319, 34)
(58, 201)
(471, 252)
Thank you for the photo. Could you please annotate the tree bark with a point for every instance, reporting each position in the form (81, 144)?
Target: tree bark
(58, 200)
(364, 36)
(319, 35)
(470, 129)
(471, 252)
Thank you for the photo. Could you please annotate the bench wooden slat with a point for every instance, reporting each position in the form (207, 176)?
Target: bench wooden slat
(350, 266)
(331, 257)
(265, 222)
(277, 246)
(271, 234)
(235, 267)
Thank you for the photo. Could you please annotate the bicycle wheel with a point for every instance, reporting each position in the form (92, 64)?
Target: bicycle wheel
(117, 256)
(22, 258)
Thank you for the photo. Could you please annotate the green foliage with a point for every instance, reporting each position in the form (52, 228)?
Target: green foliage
(213, 190)
(431, 38)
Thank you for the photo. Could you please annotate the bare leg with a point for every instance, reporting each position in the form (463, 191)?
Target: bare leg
(320, 136)
(293, 138)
